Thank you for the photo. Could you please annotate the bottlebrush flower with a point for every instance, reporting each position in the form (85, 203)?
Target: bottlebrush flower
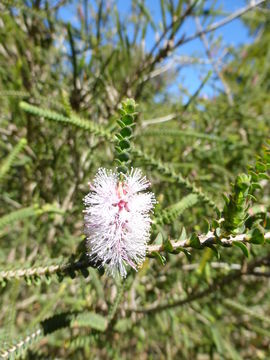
(117, 219)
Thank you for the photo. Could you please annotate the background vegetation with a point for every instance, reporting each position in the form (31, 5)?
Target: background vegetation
(203, 292)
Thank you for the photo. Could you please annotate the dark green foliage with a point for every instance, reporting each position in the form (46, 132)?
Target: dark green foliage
(126, 124)
(236, 207)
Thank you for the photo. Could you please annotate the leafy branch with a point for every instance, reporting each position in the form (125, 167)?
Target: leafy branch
(182, 133)
(28, 212)
(98, 131)
(178, 178)
(8, 162)
(33, 274)
(169, 214)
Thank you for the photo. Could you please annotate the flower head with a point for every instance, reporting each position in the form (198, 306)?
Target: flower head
(117, 219)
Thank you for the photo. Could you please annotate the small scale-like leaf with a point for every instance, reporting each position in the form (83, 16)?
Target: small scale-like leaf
(254, 175)
(167, 245)
(159, 239)
(226, 199)
(185, 251)
(242, 246)
(183, 235)
(195, 241)
(215, 224)
(126, 132)
(159, 257)
(123, 157)
(260, 166)
(28, 280)
(119, 136)
(121, 124)
(256, 185)
(215, 251)
(127, 120)
(85, 273)
(124, 144)
(263, 176)
(218, 231)
(257, 236)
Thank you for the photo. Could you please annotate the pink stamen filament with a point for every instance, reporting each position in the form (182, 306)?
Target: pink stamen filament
(121, 192)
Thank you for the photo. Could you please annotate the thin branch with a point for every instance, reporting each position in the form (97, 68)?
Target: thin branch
(205, 240)
(18, 348)
(181, 60)
(169, 47)
(175, 21)
(162, 53)
(159, 120)
(220, 23)
(67, 269)
(212, 61)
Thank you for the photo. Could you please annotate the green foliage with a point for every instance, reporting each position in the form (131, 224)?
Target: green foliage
(236, 207)
(172, 212)
(74, 120)
(67, 109)
(8, 162)
(25, 213)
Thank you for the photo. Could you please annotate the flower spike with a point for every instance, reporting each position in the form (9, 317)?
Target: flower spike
(117, 219)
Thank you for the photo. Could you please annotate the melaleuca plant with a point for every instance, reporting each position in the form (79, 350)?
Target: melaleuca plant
(125, 274)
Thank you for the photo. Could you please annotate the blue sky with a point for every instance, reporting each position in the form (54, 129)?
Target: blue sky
(233, 34)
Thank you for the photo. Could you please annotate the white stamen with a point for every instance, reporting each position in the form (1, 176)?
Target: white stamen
(117, 220)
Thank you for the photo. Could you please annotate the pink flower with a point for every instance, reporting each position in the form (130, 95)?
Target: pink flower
(117, 219)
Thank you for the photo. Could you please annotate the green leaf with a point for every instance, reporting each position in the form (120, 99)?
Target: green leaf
(124, 144)
(92, 320)
(263, 176)
(194, 241)
(226, 199)
(218, 232)
(215, 224)
(183, 235)
(159, 257)
(242, 246)
(121, 124)
(126, 132)
(122, 169)
(206, 225)
(123, 157)
(215, 251)
(256, 185)
(257, 236)
(254, 175)
(127, 120)
(119, 136)
(167, 245)
(159, 239)
(260, 166)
